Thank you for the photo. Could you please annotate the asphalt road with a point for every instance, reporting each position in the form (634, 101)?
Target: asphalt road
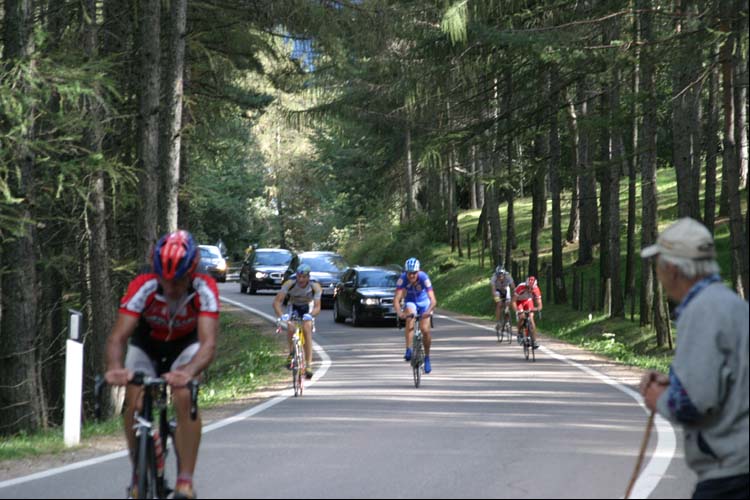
(485, 423)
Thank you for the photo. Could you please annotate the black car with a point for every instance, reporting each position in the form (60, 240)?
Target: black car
(265, 268)
(366, 294)
(327, 268)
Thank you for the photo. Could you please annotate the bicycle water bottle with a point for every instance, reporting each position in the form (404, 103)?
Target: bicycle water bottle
(159, 452)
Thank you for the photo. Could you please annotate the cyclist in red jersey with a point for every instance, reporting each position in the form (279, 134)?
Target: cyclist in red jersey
(171, 317)
(524, 299)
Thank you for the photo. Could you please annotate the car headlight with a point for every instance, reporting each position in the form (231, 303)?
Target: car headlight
(222, 266)
(370, 302)
(260, 275)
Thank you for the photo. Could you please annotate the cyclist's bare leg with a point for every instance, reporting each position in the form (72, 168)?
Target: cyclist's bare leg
(133, 402)
(498, 311)
(188, 435)
(424, 325)
(533, 327)
(307, 327)
(409, 332)
(291, 328)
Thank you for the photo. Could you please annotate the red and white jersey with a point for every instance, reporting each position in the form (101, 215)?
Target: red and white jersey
(524, 292)
(144, 299)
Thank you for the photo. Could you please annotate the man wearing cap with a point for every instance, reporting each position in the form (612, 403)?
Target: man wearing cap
(706, 390)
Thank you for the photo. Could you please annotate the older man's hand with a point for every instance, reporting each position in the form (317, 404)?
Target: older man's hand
(652, 385)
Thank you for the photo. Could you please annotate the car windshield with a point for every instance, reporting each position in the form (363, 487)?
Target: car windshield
(380, 279)
(272, 259)
(210, 253)
(325, 263)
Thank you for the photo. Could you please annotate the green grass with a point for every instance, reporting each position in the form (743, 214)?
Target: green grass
(245, 360)
(462, 285)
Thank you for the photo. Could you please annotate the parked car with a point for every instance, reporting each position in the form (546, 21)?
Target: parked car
(211, 262)
(266, 268)
(366, 294)
(327, 268)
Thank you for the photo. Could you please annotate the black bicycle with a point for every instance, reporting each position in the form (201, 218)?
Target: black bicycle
(527, 340)
(152, 444)
(503, 327)
(418, 354)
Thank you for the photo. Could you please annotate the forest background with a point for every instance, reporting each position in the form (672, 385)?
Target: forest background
(552, 137)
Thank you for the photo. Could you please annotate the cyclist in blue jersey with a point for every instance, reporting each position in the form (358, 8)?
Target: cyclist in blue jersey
(415, 287)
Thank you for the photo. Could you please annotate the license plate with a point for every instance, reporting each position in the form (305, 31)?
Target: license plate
(277, 281)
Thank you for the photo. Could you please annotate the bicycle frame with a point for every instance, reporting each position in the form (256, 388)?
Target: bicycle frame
(298, 363)
(151, 445)
(528, 347)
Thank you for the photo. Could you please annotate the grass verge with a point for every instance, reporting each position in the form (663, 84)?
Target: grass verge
(246, 360)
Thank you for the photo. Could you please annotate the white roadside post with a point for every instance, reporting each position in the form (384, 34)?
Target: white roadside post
(73, 381)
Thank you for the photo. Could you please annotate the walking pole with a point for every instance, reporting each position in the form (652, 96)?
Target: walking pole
(639, 462)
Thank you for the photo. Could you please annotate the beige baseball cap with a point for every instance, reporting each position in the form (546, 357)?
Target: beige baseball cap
(686, 239)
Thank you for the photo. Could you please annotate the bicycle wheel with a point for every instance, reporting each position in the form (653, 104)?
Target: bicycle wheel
(301, 373)
(508, 331)
(526, 345)
(146, 466)
(533, 351)
(417, 361)
(296, 369)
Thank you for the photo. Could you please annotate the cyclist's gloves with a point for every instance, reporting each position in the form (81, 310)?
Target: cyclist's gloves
(284, 317)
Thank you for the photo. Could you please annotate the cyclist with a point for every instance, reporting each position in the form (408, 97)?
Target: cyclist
(527, 297)
(171, 316)
(304, 300)
(501, 284)
(416, 288)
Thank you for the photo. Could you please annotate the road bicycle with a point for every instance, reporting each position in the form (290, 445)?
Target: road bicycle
(503, 327)
(527, 340)
(418, 355)
(297, 363)
(152, 437)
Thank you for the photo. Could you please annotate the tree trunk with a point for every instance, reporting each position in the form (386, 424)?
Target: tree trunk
(618, 159)
(712, 147)
(148, 125)
(172, 126)
(587, 195)
(685, 115)
(21, 390)
(731, 158)
(574, 222)
(560, 295)
(740, 91)
(648, 159)
(630, 259)
(474, 183)
(538, 199)
(100, 285)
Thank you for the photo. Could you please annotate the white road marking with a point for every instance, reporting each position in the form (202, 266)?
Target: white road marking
(666, 443)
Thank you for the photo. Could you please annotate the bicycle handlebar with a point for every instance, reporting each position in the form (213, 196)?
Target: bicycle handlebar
(143, 380)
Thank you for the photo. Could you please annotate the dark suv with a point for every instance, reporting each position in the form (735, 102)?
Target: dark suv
(327, 269)
(266, 268)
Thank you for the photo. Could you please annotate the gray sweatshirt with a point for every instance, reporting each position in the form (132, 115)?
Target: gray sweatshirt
(711, 362)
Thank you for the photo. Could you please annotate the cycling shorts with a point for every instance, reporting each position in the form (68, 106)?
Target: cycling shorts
(503, 293)
(302, 311)
(525, 305)
(138, 360)
(419, 307)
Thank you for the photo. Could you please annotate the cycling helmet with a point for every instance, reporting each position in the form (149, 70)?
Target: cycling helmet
(175, 255)
(304, 269)
(531, 281)
(499, 270)
(412, 265)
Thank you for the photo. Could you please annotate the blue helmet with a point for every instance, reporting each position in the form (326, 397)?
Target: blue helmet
(412, 265)
(175, 255)
(304, 269)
